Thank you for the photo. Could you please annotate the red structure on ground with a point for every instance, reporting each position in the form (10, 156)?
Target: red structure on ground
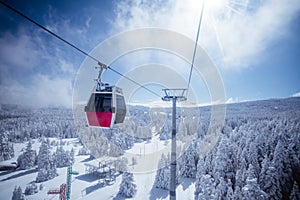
(61, 191)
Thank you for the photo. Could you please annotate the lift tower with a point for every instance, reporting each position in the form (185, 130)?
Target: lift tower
(70, 172)
(174, 95)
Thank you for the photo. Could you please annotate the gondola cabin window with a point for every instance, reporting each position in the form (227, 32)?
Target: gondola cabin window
(121, 111)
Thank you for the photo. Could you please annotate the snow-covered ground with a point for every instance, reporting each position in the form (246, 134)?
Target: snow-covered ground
(258, 146)
(87, 186)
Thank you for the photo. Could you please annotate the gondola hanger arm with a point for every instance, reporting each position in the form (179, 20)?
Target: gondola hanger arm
(101, 67)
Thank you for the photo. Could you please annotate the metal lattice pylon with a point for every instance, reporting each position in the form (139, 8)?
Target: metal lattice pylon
(69, 177)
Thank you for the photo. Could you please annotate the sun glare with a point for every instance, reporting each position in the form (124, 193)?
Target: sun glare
(217, 6)
(214, 6)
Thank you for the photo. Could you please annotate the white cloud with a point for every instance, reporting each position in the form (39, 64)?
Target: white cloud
(48, 91)
(32, 72)
(43, 91)
(235, 36)
(18, 52)
(67, 67)
(296, 94)
(245, 38)
(37, 69)
(240, 41)
(88, 22)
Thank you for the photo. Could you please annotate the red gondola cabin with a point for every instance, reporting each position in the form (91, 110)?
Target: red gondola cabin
(106, 107)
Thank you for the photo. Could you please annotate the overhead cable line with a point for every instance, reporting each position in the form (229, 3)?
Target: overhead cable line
(195, 48)
(77, 48)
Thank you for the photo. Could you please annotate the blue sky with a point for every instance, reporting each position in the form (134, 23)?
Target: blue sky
(255, 45)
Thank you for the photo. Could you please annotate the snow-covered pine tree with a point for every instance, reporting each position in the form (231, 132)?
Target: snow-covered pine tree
(18, 194)
(31, 189)
(252, 190)
(295, 193)
(165, 132)
(263, 178)
(240, 178)
(27, 159)
(229, 193)
(64, 158)
(237, 194)
(6, 148)
(221, 189)
(67, 161)
(221, 159)
(162, 178)
(72, 156)
(41, 187)
(188, 163)
(46, 163)
(59, 156)
(205, 184)
(253, 157)
(275, 176)
(199, 174)
(206, 188)
(271, 183)
(283, 167)
(127, 187)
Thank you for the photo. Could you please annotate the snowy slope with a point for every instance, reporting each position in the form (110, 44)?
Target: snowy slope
(246, 123)
(86, 186)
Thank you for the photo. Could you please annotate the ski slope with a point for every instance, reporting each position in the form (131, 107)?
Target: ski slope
(88, 187)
